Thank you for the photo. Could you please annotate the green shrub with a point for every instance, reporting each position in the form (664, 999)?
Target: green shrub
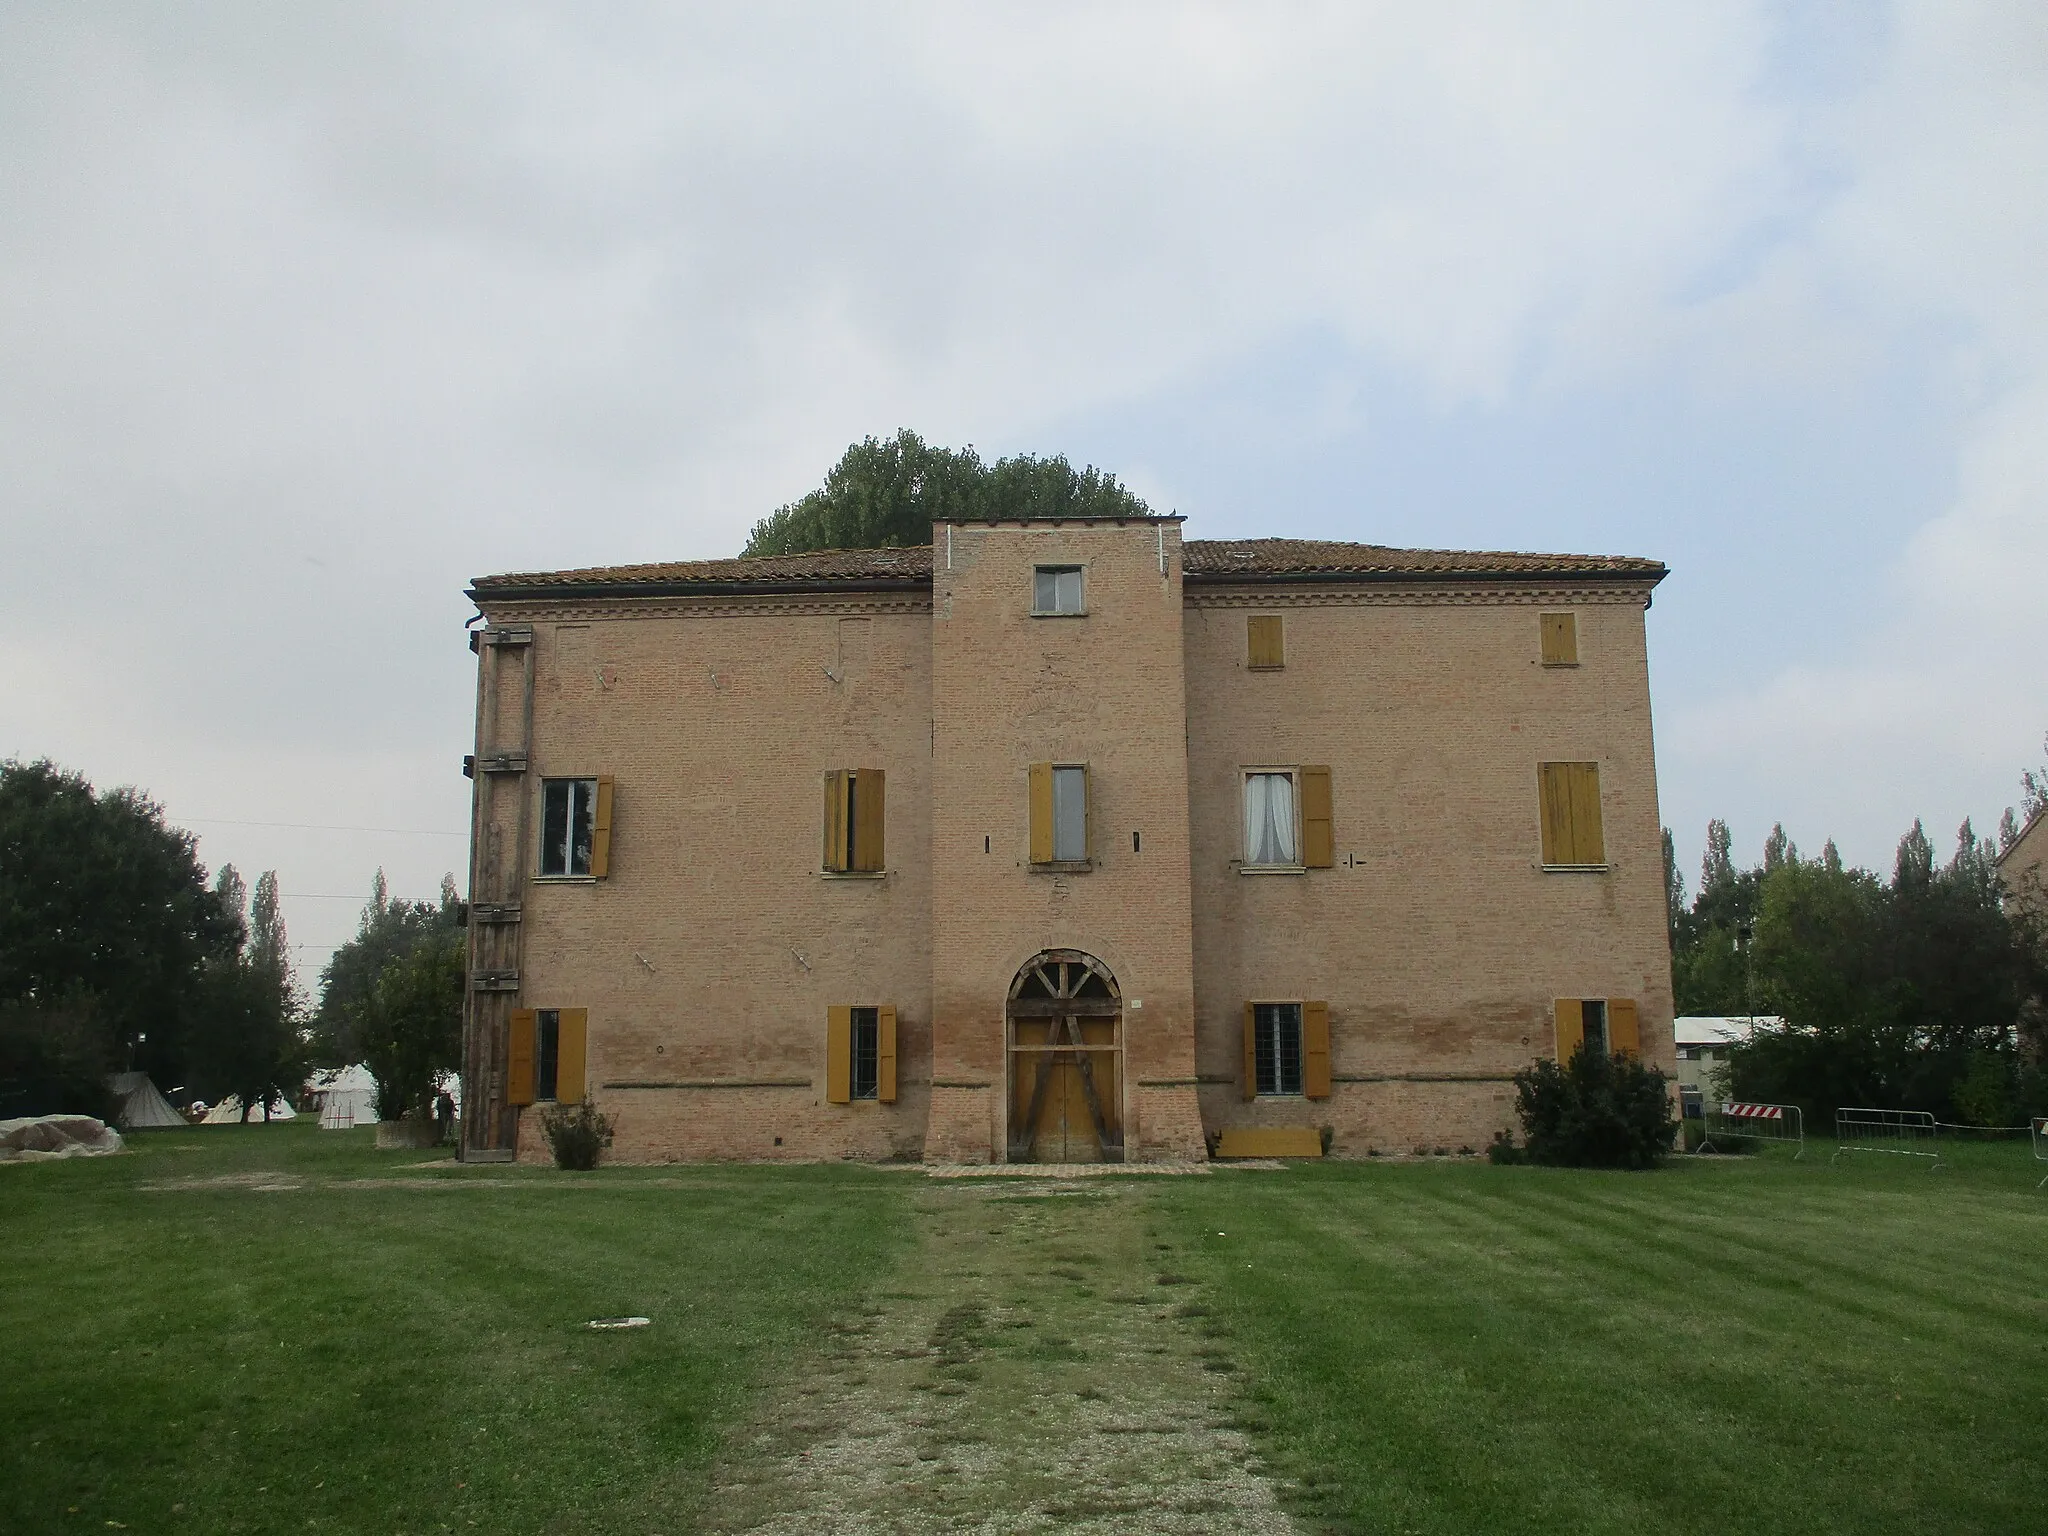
(577, 1133)
(1595, 1111)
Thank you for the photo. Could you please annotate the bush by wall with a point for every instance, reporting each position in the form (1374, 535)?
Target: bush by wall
(577, 1133)
(1594, 1111)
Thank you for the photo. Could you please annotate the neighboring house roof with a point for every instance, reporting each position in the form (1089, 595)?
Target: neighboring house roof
(1708, 1029)
(1202, 561)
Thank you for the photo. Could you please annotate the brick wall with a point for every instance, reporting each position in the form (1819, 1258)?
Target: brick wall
(708, 956)
(1438, 941)
(1106, 690)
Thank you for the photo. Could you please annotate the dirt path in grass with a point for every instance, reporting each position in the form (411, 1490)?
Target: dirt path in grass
(1039, 1366)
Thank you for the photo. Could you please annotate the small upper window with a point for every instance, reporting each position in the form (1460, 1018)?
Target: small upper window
(1560, 640)
(1265, 642)
(1057, 589)
(853, 820)
(1270, 828)
(568, 825)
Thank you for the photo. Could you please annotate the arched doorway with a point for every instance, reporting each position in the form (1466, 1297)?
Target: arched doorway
(1065, 1025)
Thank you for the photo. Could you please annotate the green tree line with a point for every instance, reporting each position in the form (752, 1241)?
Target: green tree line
(1920, 989)
(117, 952)
(885, 494)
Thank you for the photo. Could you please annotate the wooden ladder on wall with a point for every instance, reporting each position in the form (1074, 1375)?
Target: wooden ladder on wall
(498, 841)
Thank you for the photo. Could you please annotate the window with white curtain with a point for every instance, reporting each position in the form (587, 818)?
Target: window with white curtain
(1271, 830)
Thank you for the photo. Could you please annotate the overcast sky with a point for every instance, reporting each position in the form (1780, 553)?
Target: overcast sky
(310, 313)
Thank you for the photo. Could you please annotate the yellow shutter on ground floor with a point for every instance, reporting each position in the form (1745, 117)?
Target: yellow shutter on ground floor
(571, 1043)
(839, 1055)
(1571, 1027)
(885, 1055)
(519, 1058)
(1624, 1027)
(1315, 1050)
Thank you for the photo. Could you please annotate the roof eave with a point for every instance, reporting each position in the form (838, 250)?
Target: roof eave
(1648, 578)
(556, 591)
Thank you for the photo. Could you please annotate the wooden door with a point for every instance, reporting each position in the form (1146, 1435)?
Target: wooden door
(1065, 1066)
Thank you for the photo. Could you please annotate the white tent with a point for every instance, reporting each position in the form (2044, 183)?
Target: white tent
(347, 1097)
(142, 1107)
(229, 1112)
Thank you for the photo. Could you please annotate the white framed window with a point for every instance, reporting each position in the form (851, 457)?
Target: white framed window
(568, 827)
(1272, 819)
(1056, 591)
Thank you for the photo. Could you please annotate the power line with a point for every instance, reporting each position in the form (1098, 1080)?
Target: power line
(317, 826)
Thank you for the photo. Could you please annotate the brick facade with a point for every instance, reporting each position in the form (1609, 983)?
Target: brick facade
(716, 698)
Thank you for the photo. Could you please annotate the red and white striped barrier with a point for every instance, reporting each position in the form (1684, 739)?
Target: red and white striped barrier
(1754, 1111)
(1755, 1122)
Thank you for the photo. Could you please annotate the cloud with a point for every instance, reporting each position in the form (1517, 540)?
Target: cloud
(309, 314)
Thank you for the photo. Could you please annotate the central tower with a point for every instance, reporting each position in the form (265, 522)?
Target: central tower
(1060, 829)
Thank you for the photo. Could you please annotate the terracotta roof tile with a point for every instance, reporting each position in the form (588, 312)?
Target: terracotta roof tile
(1308, 557)
(824, 565)
(1204, 560)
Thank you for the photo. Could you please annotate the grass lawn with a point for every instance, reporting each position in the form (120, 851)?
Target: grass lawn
(1731, 1345)
(406, 1354)
(277, 1328)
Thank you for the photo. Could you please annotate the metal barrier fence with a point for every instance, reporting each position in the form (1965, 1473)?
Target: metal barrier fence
(2040, 1134)
(1756, 1122)
(1902, 1132)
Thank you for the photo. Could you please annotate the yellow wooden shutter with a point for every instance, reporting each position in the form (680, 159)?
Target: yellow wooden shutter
(1589, 843)
(835, 820)
(1041, 813)
(885, 1055)
(867, 819)
(1251, 1050)
(1624, 1027)
(571, 1042)
(839, 1055)
(1315, 1050)
(601, 831)
(1571, 1027)
(1560, 640)
(1265, 641)
(519, 1059)
(1318, 834)
(1554, 800)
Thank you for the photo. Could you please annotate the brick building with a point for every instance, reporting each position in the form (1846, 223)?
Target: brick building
(1058, 840)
